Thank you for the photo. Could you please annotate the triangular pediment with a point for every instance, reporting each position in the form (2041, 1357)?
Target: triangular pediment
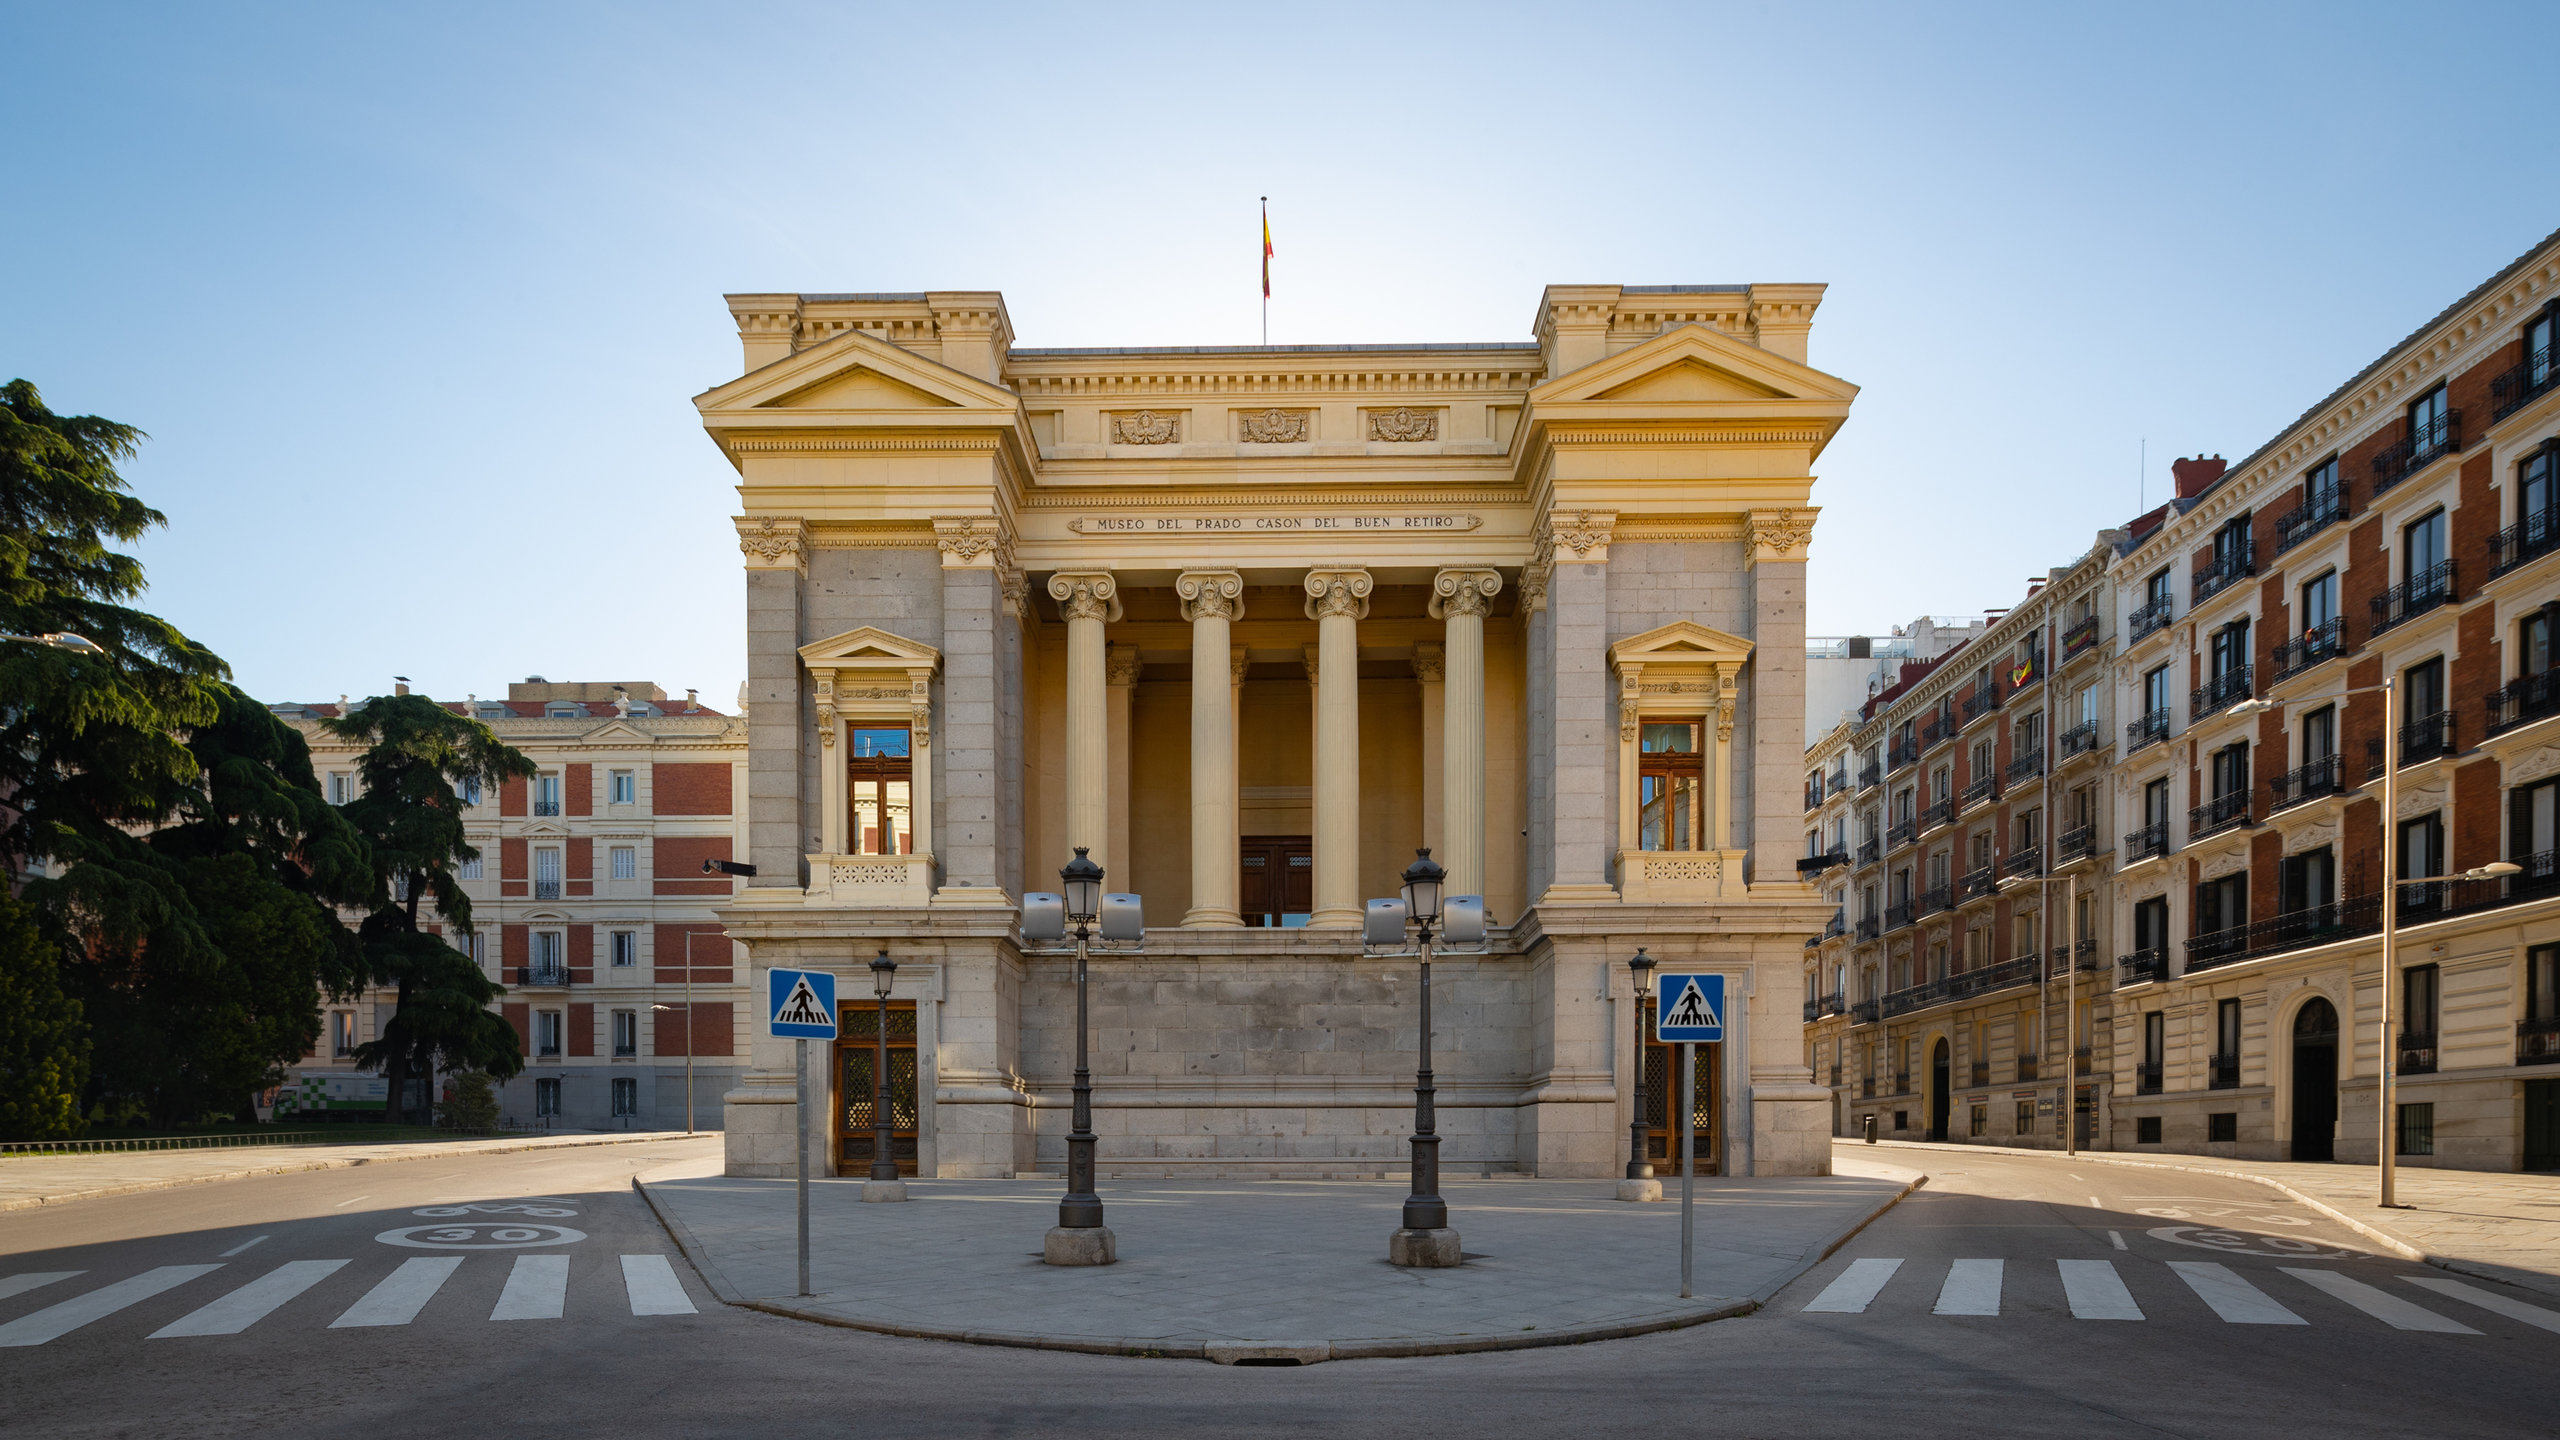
(1681, 642)
(1691, 380)
(855, 373)
(869, 647)
(861, 388)
(1688, 364)
(618, 732)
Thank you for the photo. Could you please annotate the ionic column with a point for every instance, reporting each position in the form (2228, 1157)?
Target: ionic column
(1337, 599)
(1120, 669)
(1461, 598)
(1086, 601)
(1212, 600)
(1430, 667)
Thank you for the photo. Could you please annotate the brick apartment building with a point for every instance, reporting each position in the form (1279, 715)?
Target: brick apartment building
(2403, 528)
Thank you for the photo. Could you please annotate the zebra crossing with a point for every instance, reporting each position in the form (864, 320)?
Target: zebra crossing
(537, 1288)
(2097, 1290)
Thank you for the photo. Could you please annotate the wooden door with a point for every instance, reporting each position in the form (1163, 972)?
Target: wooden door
(1277, 886)
(859, 1018)
(1661, 1102)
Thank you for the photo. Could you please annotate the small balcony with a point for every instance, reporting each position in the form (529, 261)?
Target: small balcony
(2148, 843)
(1816, 864)
(550, 977)
(1813, 795)
(2417, 1052)
(1821, 1006)
(1982, 790)
(1870, 776)
(2222, 812)
(2221, 692)
(2026, 1069)
(2150, 620)
(2075, 845)
(2026, 863)
(2142, 967)
(2080, 639)
(1981, 1075)
(2324, 776)
(1982, 700)
(1901, 1082)
(546, 807)
(2222, 1072)
(2423, 445)
(2538, 1041)
(2217, 947)
(2082, 957)
(2320, 510)
(546, 889)
(1837, 781)
(2146, 1078)
(2413, 597)
(2526, 383)
(1937, 898)
(1901, 833)
(2081, 739)
(2322, 642)
(1937, 730)
(1867, 1088)
(2422, 739)
(1870, 851)
(2224, 571)
(1937, 815)
(2521, 544)
(1865, 1012)
(2025, 767)
(1870, 928)
(2081, 1060)
(2535, 697)
(2153, 726)
(1979, 884)
(1899, 752)
(1899, 916)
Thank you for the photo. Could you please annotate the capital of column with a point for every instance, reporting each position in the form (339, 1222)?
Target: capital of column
(1237, 662)
(1464, 592)
(1085, 594)
(1120, 665)
(1579, 536)
(1779, 536)
(973, 542)
(1341, 590)
(774, 543)
(1210, 594)
(1430, 663)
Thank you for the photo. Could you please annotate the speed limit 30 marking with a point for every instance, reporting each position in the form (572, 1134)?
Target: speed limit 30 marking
(2242, 1242)
(481, 1236)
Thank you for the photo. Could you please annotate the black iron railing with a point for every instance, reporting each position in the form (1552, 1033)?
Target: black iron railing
(1980, 701)
(1867, 1088)
(2149, 842)
(1899, 915)
(1980, 790)
(2150, 619)
(1837, 782)
(1977, 884)
(1902, 833)
(2076, 844)
(2220, 692)
(1870, 928)
(1937, 813)
(2026, 1068)
(2417, 1052)
(1936, 731)
(2322, 509)
(2082, 957)
(2538, 1041)
(2532, 698)
(1937, 898)
(2080, 739)
(2153, 725)
(1816, 864)
(2531, 538)
(1831, 1004)
(2079, 637)
(1897, 754)
(2024, 864)
(2424, 443)
(1870, 776)
(1865, 1012)
(2324, 776)
(552, 975)
(2222, 812)
(2026, 767)
(2414, 596)
(2515, 389)
(2142, 967)
(2222, 1072)
(546, 889)
(1813, 794)
(1870, 851)
(1981, 1074)
(2023, 676)
(2146, 1077)
(2233, 565)
(2424, 738)
(2324, 641)
(1963, 985)
(546, 807)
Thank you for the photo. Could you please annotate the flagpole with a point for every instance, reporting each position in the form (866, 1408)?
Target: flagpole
(1266, 270)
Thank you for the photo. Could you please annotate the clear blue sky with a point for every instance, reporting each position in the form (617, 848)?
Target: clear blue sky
(413, 303)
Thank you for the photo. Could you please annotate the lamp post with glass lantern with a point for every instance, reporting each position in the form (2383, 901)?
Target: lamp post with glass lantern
(1639, 1184)
(884, 1184)
(1424, 1238)
(1080, 1237)
(61, 640)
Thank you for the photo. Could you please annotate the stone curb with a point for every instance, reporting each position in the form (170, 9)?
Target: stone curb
(426, 1151)
(2399, 1245)
(1270, 1352)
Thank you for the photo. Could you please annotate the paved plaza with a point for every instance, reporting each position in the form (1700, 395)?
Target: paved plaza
(1274, 1270)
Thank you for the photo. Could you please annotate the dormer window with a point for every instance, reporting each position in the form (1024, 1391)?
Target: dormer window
(566, 712)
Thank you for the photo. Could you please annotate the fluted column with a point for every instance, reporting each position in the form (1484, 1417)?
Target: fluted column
(1336, 601)
(1086, 601)
(1212, 600)
(1460, 598)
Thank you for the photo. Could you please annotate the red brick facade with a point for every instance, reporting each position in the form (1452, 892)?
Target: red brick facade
(689, 789)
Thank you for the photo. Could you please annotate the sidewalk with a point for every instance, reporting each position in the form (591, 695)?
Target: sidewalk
(33, 1180)
(2498, 1224)
(1263, 1271)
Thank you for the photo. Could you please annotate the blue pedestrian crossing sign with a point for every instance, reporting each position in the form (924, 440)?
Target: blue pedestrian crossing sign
(803, 1004)
(1691, 1009)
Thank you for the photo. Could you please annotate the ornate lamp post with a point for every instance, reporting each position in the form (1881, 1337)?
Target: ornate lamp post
(1080, 1237)
(1639, 1184)
(1425, 1238)
(884, 1183)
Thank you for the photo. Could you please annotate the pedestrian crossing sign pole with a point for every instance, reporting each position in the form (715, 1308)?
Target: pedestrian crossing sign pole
(1690, 1011)
(801, 1007)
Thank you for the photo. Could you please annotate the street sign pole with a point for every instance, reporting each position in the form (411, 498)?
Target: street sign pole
(1691, 1011)
(801, 1007)
(803, 1108)
(1688, 1157)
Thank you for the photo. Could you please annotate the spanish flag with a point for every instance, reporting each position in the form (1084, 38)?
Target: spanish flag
(1266, 247)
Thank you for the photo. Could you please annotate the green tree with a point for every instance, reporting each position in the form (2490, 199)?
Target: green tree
(44, 1056)
(416, 753)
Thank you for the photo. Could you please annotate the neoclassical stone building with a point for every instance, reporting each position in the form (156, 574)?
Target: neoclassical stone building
(1253, 624)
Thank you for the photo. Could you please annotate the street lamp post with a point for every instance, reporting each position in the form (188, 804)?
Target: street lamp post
(1639, 1184)
(884, 1183)
(1424, 1238)
(61, 640)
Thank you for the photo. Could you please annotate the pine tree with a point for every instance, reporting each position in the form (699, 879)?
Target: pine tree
(44, 1056)
(416, 753)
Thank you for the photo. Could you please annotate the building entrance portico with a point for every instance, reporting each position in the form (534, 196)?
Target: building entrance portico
(1252, 627)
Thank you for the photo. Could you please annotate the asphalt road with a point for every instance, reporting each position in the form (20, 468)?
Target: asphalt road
(613, 1334)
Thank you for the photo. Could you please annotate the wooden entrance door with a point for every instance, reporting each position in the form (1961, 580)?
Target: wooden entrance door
(1940, 1102)
(2315, 1082)
(1661, 1101)
(1278, 884)
(859, 1019)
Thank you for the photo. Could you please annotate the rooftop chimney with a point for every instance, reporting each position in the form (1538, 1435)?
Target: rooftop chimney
(2195, 475)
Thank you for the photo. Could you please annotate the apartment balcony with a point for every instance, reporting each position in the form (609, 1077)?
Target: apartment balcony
(2222, 1072)
(2538, 1041)
(2023, 864)
(1865, 1012)
(546, 889)
(2081, 1060)
(1937, 898)
(2224, 571)
(1937, 815)
(2146, 1078)
(2294, 930)
(1870, 928)
(1897, 754)
(1870, 851)
(1980, 1076)
(2023, 677)
(1901, 1082)
(1867, 1088)
(2149, 620)
(2325, 776)
(1936, 731)
(546, 807)
(1901, 833)
(2142, 967)
(2222, 812)
(1810, 865)
(2526, 383)
(1816, 1009)
(2321, 643)
(1899, 916)
(2153, 726)
(1812, 795)
(2413, 597)
(1836, 781)
(2521, 544)
(1983, 699)
(2422, 739)
(2535, 697)
(2221, 692)
(2075, 845)
(1979, 884)
(2319, 511)
(2080, 639)
(1870, 776)
(2541, 876)
(2025, 767)
(2026, 1069)
(2422, 446)
(2217, 947)
(2417, 1052)
(1837, 926)
(1979, 792)
(541, 977)
(2082, 957)
(2148, 843)
(1963, 985)
(2084, 738)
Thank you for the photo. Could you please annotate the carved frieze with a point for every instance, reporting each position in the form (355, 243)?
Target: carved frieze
(1583, 534)
(969, 541)
(773, 544)
(1146, 427)
(1781, 535)
(1404, 424)
(1273, 427)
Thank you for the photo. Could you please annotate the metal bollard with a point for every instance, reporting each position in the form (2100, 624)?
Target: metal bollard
(1871, 1129)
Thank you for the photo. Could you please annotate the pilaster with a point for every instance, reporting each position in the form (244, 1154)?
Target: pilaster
(776, 551)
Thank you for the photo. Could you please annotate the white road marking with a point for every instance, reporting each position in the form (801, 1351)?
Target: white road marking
(2491, 1301)
(1972, 1288)
(58, 1320)
(252, 1302)
(343, 1204)
(1855, 1288)
(2118, 1237)
(654, 1288)
(2097, 1204)
(2096, 1291)
(34, 1279)
(2388, 1308)
(2234, 1299)
(402, 1294)
(537, 1289)
(2083, 1179)
(244, 1245)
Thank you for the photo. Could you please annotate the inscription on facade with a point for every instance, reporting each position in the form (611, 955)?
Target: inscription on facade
(1268, 524)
